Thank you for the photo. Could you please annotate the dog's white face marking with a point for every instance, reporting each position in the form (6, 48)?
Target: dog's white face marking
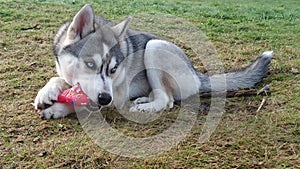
(105, 50)
(66, 71)
(93, 61)
(92, 76)
(91, 72)
(94, 73)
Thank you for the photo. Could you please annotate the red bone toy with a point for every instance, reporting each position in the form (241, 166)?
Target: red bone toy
(74, 96)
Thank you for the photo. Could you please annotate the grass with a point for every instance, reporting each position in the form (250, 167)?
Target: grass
(238, 29)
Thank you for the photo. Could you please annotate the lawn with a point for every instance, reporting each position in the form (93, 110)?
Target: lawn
(239, 30)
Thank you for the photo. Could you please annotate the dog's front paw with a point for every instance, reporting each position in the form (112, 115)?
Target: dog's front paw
(146, 107)
(57, 110)
(49, 93)
(145, 104)
(141, 100)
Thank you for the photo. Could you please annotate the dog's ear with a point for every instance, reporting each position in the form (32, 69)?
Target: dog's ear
(121, 28)
(82, 24)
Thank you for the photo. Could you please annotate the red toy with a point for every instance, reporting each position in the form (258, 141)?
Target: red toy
(74, 96)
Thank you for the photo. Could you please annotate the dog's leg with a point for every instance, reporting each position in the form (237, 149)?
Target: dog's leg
(170, 75)
(49, 93)
(57, 110)
(144, 104)
(46, 97)
(161, 82)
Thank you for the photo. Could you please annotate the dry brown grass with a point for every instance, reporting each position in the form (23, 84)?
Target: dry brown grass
(243, 139)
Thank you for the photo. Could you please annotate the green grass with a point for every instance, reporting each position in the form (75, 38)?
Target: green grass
(239, 30)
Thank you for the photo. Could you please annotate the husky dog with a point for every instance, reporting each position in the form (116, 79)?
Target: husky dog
(114, 64)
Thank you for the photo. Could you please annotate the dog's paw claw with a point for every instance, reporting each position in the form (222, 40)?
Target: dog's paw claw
(141, 100)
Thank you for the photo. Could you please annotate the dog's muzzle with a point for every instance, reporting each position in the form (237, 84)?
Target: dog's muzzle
(104, 99)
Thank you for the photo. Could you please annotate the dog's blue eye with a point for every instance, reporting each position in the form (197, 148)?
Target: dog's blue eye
(90, 64)
(114, 69)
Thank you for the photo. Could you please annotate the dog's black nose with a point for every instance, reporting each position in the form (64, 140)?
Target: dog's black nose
(104, 99)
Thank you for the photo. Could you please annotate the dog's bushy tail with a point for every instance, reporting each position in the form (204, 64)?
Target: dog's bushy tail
(244, 78)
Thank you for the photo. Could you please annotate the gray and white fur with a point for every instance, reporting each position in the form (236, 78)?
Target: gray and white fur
(114, 64)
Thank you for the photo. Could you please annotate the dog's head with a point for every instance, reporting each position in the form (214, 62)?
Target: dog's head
(89, 54)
